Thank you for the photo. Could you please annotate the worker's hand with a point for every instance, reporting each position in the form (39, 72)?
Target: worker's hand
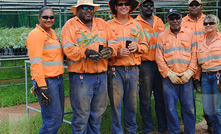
(93, 55)
(133, 47)
(197, 86)
(106, 52)
(219, 86)
(186, 76)
(174, 77)
(45, 96)
(123, 52)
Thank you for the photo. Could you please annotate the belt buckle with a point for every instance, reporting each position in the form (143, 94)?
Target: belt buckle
(126, 68)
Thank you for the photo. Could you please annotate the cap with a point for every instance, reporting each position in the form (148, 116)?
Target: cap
(189, 1)
(173, 11)
(142, 1)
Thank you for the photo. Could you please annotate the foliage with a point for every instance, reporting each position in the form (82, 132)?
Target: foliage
(140, 31)
(87, 40)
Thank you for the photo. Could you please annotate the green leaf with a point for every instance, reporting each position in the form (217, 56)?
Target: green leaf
(135, 30)
(147, 34)
(89, 42)
(88, 35)
(137, 25)
(95, 37)
(83, 35)
(141, 33)
(135, 37)
(81, 42)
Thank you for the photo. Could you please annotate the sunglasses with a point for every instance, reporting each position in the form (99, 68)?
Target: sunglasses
(194, 4)
(146, 5)
(121, 4)
(46, 17)
(210, 23)
(172, 18)
(87, 7)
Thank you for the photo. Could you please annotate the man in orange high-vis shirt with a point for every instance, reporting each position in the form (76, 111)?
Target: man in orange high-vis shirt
(123, 71)
(150, 77)
(87, 66)
(176, 60)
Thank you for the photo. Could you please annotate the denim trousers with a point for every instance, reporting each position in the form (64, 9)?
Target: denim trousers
(52, 114)
(151, 80)
(183, 92)
(123, 88)
(88, 96)
(211, 101)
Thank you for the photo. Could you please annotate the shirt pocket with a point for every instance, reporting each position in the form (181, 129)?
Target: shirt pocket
(215, 51)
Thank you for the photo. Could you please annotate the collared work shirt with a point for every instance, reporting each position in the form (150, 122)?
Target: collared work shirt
(123, 33)
(46, 55)
(176, 53)
(71, 37)
(158, 27)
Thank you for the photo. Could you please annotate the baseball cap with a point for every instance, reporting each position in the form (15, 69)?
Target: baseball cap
(142, 1)
(173, 11)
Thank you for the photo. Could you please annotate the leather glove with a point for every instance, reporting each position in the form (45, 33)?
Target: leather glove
(174, 77)
(197, 86)
(219, 86)
(186, 76)
(93, 55)
(106, 52)
(45, 96)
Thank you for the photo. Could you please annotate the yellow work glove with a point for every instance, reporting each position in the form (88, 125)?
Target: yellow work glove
(174, 77)
(186, 76)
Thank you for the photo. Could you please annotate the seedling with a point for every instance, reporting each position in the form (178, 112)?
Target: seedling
(87, 40)
(139, 31)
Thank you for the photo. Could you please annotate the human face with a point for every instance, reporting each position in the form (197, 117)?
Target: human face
(124, 9)
(147, 8)
(209, 27)
(46, 23)
(194, 8)
(85, 13)
(175, 22)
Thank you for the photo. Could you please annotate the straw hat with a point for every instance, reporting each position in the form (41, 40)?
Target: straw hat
(111, 4)
(189, 1)
(84, 2)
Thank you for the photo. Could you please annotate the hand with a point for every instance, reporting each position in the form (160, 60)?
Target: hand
(93, 55)
(197, 85)
(174, 77)
(186, 76)
(106, 52)
(133, 47)
(45, 96)
(219, 86)
(123, 52)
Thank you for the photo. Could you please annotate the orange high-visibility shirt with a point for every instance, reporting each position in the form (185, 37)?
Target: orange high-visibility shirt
(71, 37)
(46, 55)
(123, 33)
(196, 27)
(158, 27)
(176, 53)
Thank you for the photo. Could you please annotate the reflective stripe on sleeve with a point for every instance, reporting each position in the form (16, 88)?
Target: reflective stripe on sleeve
(69, 63)
(52, 46)
(152, 47)
(160, 47)
(153, 34)
(53, 63)
(127, 38)
(144, 43)
(211, 68)
(69, 44)
(36, 60)
(193, 45)
(215, 57)
(111, 41)
(199, 32)
(178, 61)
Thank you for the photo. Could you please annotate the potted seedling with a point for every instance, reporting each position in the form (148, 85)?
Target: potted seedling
(87, 40)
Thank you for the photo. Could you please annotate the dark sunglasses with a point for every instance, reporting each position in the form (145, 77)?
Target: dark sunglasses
(194, 4)
(87, 7)
(121, 4)
(146, 5)
(172, 18)
(46, 17)
(210, 23)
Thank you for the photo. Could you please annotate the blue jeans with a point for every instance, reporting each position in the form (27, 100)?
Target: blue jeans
(123, 87)
(52, 114)
(211, 101)
(88, 96)
(151, 80)
(183, 92)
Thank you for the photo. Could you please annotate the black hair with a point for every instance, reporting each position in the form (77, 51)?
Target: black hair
(44, 8)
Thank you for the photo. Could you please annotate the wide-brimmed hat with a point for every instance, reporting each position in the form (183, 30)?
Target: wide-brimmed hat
(142, 1)
(111, 4)
(189, 1)
(84, 2)
(173, 11)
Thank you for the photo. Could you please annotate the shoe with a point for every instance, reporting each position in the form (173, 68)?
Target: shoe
(210, 129)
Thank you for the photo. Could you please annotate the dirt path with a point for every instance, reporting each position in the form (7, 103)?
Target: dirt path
(15, 113)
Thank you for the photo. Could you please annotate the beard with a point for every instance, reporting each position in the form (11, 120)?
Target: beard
(148, 13)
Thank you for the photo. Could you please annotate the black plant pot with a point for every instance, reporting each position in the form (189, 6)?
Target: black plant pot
(6, 51)
(1, 51)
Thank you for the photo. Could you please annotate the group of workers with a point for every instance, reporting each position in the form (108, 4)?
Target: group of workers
(114, 59)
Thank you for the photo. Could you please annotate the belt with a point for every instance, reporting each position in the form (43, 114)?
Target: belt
(126, 68)
(212, 72)
(56, 77)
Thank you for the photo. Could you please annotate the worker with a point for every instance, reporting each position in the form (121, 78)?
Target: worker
(150, 77)
(177, 63)
(47, 66)
(208, 53)
(81, 37)
(123, 69)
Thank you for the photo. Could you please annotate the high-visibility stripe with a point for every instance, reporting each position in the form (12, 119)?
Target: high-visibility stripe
(153, 46)
(127, 38)
(199, 32)
(153, 34)
(177, 49)
(178, 61)
(99, 39)
(193, 45)
(53, 63)
(144, 43)
(69, 44)
(52, 46)
(71, 62)
(160, 47)
(111, 41)
(215, 57)
(36, 60)
(211, 68)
